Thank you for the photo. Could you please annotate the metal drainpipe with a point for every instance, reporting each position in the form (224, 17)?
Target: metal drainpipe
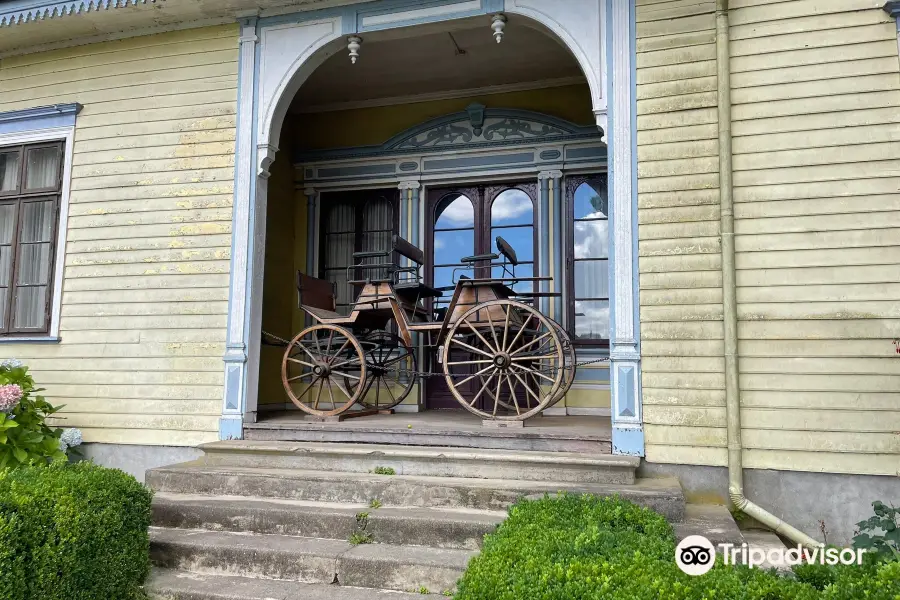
(729, 299)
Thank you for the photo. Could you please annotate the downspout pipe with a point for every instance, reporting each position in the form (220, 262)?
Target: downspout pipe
(729, 296)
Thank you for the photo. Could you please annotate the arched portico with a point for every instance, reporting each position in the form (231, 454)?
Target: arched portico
(279, 53)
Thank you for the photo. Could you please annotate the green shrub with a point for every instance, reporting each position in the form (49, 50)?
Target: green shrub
(72, 532)
(588, 548)
(25, 439)
(880, 533)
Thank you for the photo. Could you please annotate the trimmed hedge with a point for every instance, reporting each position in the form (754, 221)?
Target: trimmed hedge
(72, 532)
(588, 548)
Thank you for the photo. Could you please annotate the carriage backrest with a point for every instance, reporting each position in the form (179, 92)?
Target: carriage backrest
(315, 292)
(407, 250)
(507, 251)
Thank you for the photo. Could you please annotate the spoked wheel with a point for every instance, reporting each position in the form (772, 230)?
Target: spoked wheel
(513, 357)
(568, 371)
(568, 366)
(391, 366)
(316, 366)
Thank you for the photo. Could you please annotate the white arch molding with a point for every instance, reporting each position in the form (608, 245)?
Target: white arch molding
(277, 56)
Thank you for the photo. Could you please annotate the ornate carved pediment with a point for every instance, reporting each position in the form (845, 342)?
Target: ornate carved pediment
(480, 125)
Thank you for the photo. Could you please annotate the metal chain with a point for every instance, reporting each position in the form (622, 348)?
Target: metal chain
(283, 342)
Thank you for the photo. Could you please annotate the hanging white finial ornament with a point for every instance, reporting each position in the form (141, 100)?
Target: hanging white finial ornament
(498, 23)
(353, 43)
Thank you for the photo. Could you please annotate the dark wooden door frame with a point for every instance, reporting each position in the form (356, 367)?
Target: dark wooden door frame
(436, 395)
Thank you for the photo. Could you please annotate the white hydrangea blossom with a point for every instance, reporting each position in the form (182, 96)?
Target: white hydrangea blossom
(11, 363)
(69, 439)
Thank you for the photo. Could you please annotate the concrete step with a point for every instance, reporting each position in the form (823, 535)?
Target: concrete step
(425, 461)
(663, 495)
(590, 439)
(167, 584)
(714, 522)
(308, 560)
(437, 528)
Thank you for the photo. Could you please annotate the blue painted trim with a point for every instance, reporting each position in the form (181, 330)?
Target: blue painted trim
(41, 117)
(388, 7)
(355, 171)
(15, 12)
(475, 161)
(635, 272)
(550, 154)
(34, 339)
(628, 441)
(352, 16)
(414, 209)
(544, 216)
(589, 375)
(391, 147)
(610, 181)
(592, 152)
(893, 8)
(231, 428)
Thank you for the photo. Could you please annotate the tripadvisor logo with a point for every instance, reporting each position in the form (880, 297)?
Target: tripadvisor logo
(696, 555)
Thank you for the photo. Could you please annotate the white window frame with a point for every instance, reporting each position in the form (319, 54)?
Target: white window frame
(67, 136)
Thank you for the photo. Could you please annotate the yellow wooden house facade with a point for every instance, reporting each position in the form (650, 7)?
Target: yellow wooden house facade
(749, 152)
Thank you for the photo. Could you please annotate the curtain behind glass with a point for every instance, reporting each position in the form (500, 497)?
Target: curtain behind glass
(339, 239)
(42, 169)
(378, 226)
(33, 264)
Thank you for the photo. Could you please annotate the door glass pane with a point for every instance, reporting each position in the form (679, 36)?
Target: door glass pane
(591, 239)
(5, 264)
(33, 264)
(592, 319)
(458, 212)
(37, 221)
(3, 300)
(591, 203)
(521, 239)
(591, 279)
(9, 171)
(450, 246)
(521, 271)
(42, 170)
(378, 227)
(7, 223)
(512, 207)
(29, 311)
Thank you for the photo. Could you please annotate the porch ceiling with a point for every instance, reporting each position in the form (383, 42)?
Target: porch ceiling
(437, 60)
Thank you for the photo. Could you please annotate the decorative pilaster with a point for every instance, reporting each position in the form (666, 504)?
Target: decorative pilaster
(557, 201)
(311, 227)
(231, 423)
(409, 210)
(625, 374)
(550, 243)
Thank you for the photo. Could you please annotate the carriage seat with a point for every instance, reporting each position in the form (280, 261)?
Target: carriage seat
(414, 288)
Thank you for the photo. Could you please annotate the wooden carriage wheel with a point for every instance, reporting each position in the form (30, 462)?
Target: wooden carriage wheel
(316, 366)
(568, 370)
(513, 350)
(391, 366)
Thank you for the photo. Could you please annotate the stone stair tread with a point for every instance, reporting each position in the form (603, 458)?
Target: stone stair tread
(184, 585)
(712, 521)
(345, 508)
(431, 452)
(320, 547)
(648, 485)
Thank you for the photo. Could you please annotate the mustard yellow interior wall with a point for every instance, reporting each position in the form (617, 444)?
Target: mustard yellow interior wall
(279, 294)
(372, 126)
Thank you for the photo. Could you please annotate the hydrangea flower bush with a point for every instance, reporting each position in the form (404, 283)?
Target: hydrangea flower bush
(25, 438)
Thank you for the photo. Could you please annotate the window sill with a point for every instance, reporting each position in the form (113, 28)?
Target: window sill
(31, 339)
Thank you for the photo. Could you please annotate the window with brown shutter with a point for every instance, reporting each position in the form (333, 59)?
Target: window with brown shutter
(30, 187)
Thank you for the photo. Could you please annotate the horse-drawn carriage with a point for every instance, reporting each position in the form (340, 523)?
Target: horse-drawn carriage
(500, 357)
